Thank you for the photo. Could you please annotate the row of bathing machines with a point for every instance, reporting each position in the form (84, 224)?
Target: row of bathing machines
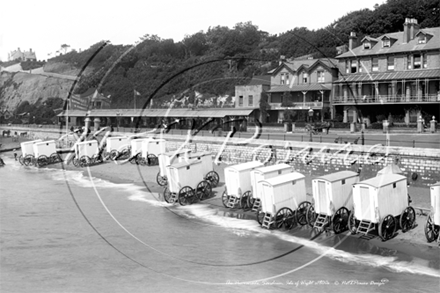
(276, 193)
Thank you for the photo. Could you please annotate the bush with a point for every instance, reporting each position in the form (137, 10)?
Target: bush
(376, 125)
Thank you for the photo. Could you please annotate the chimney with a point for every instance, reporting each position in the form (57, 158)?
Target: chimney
(352, 42)
(30, 50)
(410, 29)
(282, 59)
(414, 29)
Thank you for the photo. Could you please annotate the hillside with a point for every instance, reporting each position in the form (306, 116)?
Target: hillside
(18, 87)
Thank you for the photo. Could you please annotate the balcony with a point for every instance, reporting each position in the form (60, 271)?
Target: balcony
(297, 106)
(383, 99)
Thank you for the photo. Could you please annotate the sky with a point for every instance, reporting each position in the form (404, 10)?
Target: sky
(44, 25)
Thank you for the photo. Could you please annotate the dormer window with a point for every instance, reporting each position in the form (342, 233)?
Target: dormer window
(305, 77)
(367, 45)
(386, 43)
(422, 39)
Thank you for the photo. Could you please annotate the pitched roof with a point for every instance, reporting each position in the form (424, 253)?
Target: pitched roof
(260, 80)
(408, 74)
(398, 46)
(298, 88)
(294, 64)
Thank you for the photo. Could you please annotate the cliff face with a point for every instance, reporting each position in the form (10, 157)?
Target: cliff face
(17, 87)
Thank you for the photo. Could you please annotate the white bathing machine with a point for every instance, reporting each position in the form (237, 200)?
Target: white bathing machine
(27, 147)
(207, 166)
(263, 173)
(186, 183)
(283, 201)
(333, 200)
(27, 152)
(136, 146)
(46, 152)
(381, 203)
(432, 226)
(151, 148)
(86, 152)
(117, 145)
(165, 160)
(238, 183)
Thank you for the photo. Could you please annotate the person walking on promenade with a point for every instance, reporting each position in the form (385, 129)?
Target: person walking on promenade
(310, 115)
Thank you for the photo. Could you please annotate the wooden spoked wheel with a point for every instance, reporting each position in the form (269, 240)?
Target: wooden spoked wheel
(84, 161)
(225, 198)
(407, 219)
(124, 154)
(387, 227)
(340, 220)
(28, 160)
(285, 218)
(114, 154)
(20, 159)
(167, 195)
(75, 162)
(260, 217)
(245, 199)
(203, 190)
(213, 177)
(301, 213)
(42, 161)
(54, 158)
(187, 195)
(431, 230)
(161, 180)
(353, 224)
(311, 216)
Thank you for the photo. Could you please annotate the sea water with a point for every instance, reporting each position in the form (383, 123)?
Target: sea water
(62, 231)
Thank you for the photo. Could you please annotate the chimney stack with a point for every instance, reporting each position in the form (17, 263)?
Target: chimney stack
(352, 42)
(410, 29)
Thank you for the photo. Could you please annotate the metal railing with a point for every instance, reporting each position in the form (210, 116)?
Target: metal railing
(296, 105)
(387, 99)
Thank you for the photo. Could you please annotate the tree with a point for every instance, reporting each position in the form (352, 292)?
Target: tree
(64, 47)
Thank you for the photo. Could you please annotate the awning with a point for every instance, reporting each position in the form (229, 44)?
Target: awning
(298, 88)
(196, 113)
(409, 74)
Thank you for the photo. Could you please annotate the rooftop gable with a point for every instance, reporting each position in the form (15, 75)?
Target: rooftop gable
(399, 46)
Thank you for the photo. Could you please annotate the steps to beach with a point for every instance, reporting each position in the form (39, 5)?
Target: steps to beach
(365, 227)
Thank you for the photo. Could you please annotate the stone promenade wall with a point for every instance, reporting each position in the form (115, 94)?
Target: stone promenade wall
(420, 165)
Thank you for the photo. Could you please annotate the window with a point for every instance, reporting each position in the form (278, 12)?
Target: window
(367, 45)
(360, 66)
(284, 78)
(240, 101)
(390, 63)
(386, 43)
(408, 62)
(425, 61)
(422, 39)
(417, 61)
(347, 66)
(375, 64)
(354, 66)
(251, 100)
(321, 76)
(305, 77)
